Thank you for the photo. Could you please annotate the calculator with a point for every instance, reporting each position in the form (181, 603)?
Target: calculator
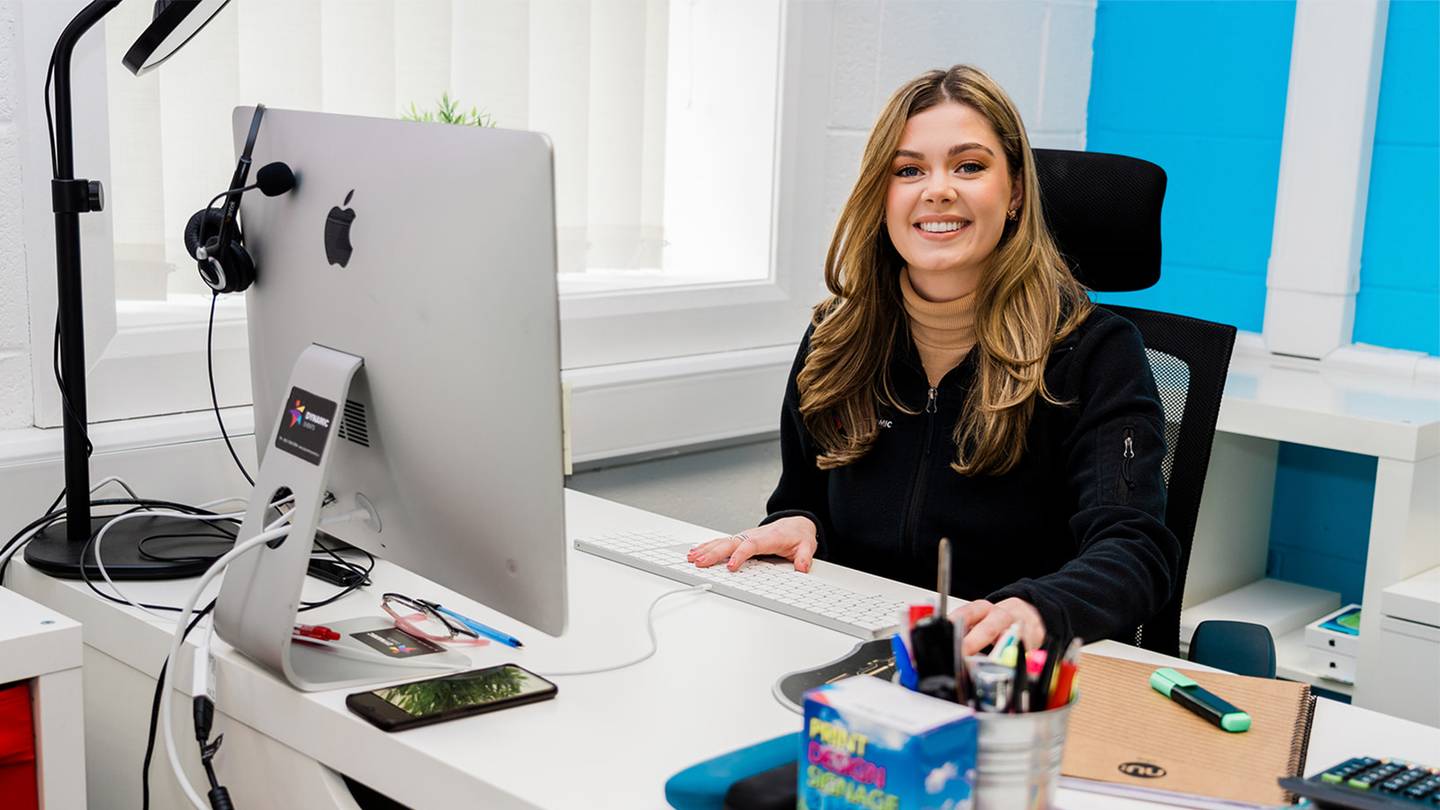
(1370, 783)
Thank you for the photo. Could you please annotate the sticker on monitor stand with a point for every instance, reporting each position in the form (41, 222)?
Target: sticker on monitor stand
(397, 643)
(304, 425)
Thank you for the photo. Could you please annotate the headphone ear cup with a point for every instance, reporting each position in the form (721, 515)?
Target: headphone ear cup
(202, 227)
(234, 259)
(239, 265)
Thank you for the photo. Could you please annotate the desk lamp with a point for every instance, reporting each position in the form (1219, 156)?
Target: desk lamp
(58, 551)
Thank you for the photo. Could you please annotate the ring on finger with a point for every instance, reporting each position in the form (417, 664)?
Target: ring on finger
(741, 537)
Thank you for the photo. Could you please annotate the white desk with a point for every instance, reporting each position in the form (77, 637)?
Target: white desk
(608, 740)
(1343, 403)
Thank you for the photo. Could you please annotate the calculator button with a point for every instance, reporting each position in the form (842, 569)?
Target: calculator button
(1331, 778)
(1358, 784)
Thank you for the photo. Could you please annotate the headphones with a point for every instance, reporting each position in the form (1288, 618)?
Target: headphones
(213, 237)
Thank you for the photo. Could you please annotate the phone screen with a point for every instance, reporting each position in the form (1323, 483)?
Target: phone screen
(451, 693)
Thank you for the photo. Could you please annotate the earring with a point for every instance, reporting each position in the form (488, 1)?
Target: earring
(1012, 214)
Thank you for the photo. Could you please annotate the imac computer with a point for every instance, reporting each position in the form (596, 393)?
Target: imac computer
(405, 362)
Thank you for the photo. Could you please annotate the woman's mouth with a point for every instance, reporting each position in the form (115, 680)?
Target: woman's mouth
(941, 231)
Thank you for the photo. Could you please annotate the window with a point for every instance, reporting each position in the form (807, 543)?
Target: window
(667, 164)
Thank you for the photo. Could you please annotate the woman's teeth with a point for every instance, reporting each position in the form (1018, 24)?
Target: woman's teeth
(941, 227)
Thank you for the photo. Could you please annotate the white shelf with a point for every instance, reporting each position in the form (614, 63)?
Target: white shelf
(1292, 661)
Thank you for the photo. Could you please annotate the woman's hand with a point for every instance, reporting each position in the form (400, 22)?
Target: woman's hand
(986, 622)
(792, 538)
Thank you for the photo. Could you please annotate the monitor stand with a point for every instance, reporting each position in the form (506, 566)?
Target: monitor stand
(260, 595)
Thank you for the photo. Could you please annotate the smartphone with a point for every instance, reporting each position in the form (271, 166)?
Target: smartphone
(396, 708)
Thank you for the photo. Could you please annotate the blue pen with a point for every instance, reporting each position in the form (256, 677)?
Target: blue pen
(488, 632)
(909, 678)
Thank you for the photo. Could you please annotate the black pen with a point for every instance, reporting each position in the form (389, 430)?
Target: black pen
(1020, 684)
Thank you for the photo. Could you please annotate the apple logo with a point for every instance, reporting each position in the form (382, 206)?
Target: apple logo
(337, 232)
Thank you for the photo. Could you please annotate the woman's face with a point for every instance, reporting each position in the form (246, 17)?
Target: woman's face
(949, 194)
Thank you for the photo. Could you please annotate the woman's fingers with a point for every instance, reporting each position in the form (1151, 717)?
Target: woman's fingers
(804, 556)
(987, 622)
(746, 548)
(710, 552)
(986, 631)
(793, 538)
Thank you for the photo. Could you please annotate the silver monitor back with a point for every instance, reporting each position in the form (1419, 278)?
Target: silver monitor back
(453, 426)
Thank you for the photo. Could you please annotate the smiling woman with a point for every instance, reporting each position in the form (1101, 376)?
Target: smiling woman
(959, 383)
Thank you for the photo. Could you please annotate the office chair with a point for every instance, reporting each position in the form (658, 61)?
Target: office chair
(1104, 212)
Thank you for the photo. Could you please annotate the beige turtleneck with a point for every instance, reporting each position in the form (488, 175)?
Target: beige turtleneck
(943, 331)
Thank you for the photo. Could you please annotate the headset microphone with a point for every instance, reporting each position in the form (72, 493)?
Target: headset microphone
(274, 179)
(213, 236)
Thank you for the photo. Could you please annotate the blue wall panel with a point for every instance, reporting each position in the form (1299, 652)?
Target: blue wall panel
(1199, 88)
(1399, 300)
(1321, 518)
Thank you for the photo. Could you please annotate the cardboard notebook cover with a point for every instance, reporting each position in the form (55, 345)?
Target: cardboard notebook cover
(1131, 737)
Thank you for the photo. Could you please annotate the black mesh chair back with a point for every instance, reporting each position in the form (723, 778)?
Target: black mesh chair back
(1190, 359)
(1104, 212)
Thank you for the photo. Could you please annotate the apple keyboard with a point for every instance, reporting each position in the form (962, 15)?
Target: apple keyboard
(775, 586)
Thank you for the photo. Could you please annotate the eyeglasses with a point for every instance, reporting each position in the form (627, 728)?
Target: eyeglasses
(420, 618)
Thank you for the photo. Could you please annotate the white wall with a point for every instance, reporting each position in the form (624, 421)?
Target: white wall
(1039, 50)
(16, 409)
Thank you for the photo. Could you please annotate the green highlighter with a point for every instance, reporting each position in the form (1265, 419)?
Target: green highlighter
(1207, 704)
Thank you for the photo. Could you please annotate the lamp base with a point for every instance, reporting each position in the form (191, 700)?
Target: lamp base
(136, 548)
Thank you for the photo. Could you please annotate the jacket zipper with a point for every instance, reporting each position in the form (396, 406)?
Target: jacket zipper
(1126, 454)
(918, 487)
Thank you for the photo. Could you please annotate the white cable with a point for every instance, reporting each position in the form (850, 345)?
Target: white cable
(100, 539)
(178, 638)
(649, 628)
(174, 655)
(115, 479)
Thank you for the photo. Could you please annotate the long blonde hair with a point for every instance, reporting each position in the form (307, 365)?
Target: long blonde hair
(1027, 299)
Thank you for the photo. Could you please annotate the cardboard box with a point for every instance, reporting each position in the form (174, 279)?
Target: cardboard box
(873, 745)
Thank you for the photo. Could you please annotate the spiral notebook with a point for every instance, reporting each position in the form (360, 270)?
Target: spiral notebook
(1127, 739)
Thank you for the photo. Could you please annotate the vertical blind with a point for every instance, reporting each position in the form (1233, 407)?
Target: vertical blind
(663, 136)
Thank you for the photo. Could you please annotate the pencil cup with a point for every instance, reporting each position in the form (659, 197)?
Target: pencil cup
(1018, 759)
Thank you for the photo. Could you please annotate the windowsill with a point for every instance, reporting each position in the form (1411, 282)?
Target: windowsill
(31, 445)
(179, 310)
(602, 282)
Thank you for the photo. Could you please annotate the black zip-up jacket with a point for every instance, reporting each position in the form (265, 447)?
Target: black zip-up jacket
(1076, 528)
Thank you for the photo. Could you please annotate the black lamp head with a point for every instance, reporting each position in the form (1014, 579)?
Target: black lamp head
(174, 23)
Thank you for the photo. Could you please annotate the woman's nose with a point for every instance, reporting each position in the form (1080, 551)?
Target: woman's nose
(939, 189)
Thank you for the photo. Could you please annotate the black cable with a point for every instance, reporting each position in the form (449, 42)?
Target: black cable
(155, 710)
(150, 555)
(65, 396)
(214, 398)
(49, 122)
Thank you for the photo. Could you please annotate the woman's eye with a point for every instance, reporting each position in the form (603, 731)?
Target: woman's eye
(970, 167)
(907, 171)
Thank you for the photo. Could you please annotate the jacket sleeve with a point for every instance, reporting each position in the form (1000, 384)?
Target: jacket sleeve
(1126, 558)
(802, 490)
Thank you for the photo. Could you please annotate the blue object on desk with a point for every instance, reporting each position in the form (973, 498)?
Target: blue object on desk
(1239, 647)
(909, 678)
(703, 786)
(488, 632)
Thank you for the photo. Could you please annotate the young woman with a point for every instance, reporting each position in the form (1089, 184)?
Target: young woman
(959, 383)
